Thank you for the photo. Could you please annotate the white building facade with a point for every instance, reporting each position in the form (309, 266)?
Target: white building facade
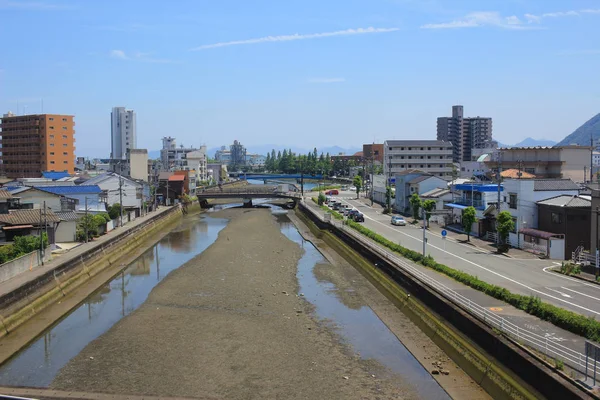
(123, 132)
(430, 156)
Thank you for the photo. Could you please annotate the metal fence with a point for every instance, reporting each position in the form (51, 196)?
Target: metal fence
(542, 343)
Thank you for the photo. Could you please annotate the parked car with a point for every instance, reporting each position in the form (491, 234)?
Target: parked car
(398, 220)
(336, 205)
(358, 217)
(332, 192)
(352, 213)
(352, 188)
(347, 211)
(345, 187)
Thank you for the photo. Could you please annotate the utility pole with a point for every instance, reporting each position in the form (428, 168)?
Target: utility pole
(85, 219)
(498, 205)
(120, 195)
(424, 227)
(372, 172)
(591, 157)
(41, 240)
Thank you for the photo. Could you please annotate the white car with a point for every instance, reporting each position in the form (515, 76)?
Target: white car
(347, 211)
(352, 188)
(398, 220)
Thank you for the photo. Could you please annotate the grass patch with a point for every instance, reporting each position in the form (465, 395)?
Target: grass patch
(335, 214)
(568, 320)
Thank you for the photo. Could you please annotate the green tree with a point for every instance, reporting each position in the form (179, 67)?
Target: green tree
(388, 198)
(415, 204)
(428, 206)
(87, 227)
(357, 182)
(273, 167)
(114, 211)
(321, 198)
(468, 219)
(505, 225)
(268, 161)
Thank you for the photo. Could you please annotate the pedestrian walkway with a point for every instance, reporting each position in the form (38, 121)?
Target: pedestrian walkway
(29, 276)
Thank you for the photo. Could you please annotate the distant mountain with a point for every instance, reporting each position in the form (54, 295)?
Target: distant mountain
(530, 142)
(582, 135)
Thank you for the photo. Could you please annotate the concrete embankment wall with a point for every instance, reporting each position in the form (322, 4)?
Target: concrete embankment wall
(102, 262)
(500, 366)
(26, 262)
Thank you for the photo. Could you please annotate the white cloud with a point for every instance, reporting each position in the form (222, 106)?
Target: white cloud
(480, 19)
(31, 5)
(326, 80)
(560, 14)
(297, 36)
(138, 56)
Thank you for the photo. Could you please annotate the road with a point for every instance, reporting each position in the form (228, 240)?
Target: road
(523, 276)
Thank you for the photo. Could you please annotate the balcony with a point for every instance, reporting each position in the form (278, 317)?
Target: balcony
(466, 201)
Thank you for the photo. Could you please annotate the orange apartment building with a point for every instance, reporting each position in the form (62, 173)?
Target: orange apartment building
(35, 143)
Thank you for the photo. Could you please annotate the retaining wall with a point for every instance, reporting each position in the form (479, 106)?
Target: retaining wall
(22, 264)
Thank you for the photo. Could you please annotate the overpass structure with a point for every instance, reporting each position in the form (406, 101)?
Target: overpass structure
(246, 193)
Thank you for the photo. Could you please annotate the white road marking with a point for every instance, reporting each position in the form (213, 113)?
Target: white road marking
(583, 294)
(490, 271)
(579, 281)
(561, 293)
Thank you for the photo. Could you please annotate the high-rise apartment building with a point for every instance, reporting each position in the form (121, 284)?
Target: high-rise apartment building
(465, 134)
(32, 144)
(123, 133)
(172, 157)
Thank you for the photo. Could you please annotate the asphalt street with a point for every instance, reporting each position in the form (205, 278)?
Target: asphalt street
(523, 276)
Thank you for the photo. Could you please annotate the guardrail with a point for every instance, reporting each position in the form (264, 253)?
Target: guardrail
(544, 344)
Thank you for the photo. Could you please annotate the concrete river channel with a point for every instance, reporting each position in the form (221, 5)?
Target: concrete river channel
(358, 326)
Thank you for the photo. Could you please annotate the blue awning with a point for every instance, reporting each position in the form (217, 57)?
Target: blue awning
(453, 205)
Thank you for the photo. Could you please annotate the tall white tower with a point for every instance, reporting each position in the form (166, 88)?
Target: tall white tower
(122, 132)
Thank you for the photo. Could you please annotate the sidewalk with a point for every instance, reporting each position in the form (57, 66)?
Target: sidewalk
(26, 277)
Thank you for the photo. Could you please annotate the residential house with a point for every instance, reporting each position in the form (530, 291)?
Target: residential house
(35, 198)
(414, 181)
(66, 230)
(178, 184)
(481, 196)
(90, 196)
(567, 215)
(29, 222)
(8, 202)
(520, 198)
(119, 189)
(441, 196)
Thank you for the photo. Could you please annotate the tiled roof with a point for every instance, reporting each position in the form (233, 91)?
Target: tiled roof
(27, 217)
(72, 189)
(164, 175)
(420, 178)
(177, 178)
(67, 215)
(514, 173)
(5, 194)
(554, 184)
(565, 200)
(55, 175)
(435, 193)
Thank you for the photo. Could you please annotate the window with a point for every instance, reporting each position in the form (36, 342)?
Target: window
(65, 162)
(512, 202)
(51, 119)
(402, 157)
(429, 157)
(51, 127)
(51, 136)
(441, 165)
(65, 153)
(51, 162)
(64, 145)
(421, 165)
(390, 149)
(422, 148)
(51, 153)
(429, 148)
(64, 128)
(422, 157)
(64, 120)
(556, 218)
(51, 144)
(64, 136)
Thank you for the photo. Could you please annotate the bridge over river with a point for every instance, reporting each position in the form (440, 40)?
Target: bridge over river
(247, 193)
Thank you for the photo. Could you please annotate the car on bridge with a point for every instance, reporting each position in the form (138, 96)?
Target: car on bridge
(332, 192)
(398, 220)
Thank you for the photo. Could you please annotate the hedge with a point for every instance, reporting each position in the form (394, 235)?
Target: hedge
(568, 320)
(335, 214)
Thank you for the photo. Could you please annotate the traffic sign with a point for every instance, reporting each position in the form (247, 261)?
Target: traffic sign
(444, 233)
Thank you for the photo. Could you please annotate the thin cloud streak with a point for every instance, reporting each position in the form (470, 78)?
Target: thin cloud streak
(481, 19)
(297, 36)
(536, 19)
(138, 56)
(326, 80)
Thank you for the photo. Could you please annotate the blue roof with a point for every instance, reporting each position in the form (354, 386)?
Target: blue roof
(478, 187)
(55, 175)
(72, 189)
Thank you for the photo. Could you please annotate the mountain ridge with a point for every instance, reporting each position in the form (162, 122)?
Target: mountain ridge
(581, 136)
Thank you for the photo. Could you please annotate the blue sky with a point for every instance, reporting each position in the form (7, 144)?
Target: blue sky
(301, 73)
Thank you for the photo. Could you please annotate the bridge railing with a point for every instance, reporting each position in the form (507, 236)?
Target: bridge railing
(545, 344)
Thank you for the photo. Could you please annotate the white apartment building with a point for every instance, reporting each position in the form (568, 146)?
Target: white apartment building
(430, 156)
(123, 132)
(596, 158)
(197, 161)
